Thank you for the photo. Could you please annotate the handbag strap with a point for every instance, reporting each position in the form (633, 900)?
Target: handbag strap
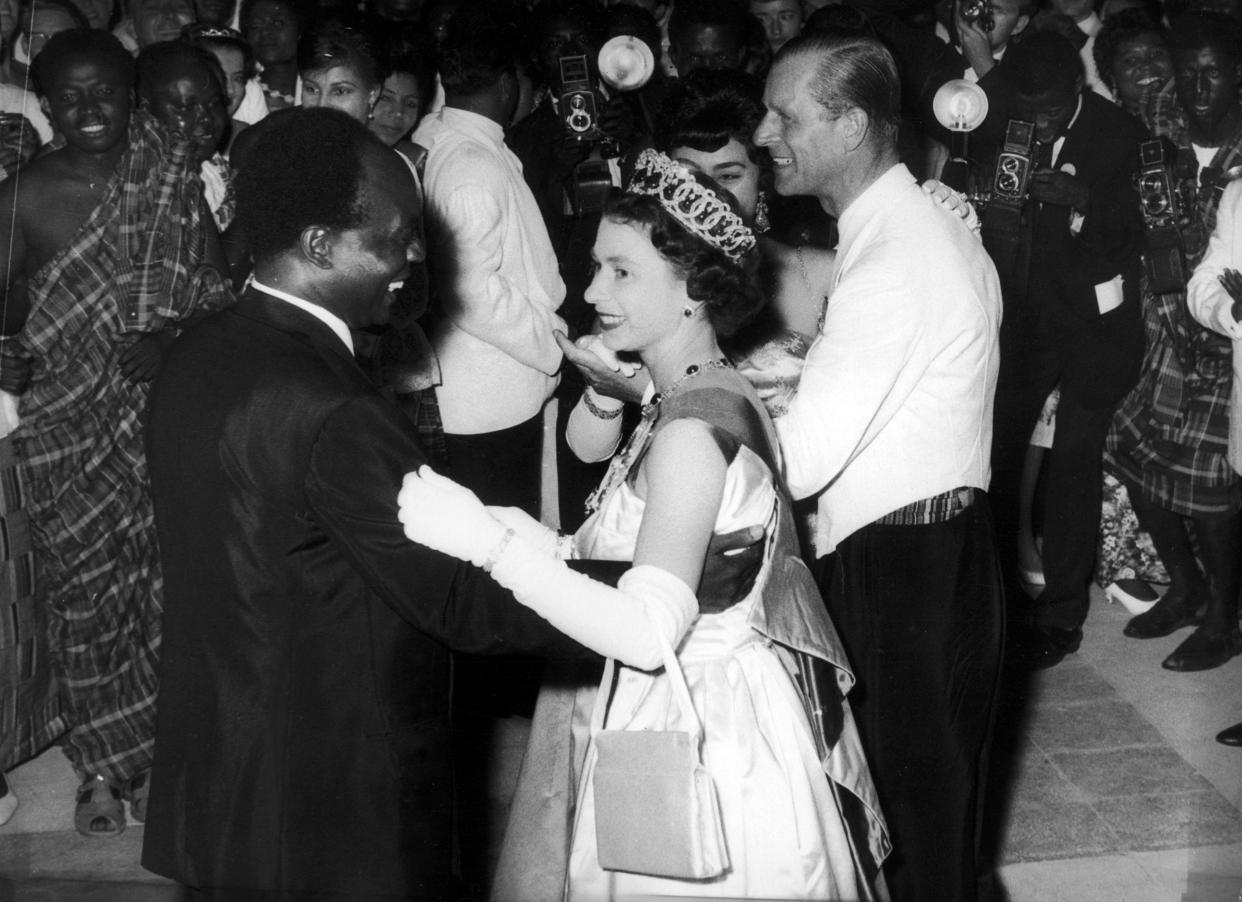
(676, 678)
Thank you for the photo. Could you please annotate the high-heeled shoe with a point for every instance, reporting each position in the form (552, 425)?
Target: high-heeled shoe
(1135, 595)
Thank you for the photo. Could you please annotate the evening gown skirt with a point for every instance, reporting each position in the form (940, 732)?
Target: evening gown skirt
(783, 826)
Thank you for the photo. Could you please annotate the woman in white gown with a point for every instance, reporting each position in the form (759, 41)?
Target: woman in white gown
(763, 664)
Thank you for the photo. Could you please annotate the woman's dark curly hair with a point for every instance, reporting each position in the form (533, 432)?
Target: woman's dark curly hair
(728, 289)
(707, 108)
(337, 41)
(1121, 28)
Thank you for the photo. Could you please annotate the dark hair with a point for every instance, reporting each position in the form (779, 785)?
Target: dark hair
(729, 291)
(335, 42)
(154, 58)
(586, 13)
(854, 71)
(409, 49)
(480, 46)
(839, 18)
(295, 9)
(215, 37)
(625, 18)
(688, 14)
(1120, 29)
(26, 10)
(1153, 8)
(707, 108)
(304, 169)
(1043, 63)
(1194, 31)
(65, 46)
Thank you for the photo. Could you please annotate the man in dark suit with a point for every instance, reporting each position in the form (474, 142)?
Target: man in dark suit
(302, 743)
(1072, 315)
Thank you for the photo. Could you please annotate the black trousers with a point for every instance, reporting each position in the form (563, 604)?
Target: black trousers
(501, 467)
(1072, 491)
(921, 613)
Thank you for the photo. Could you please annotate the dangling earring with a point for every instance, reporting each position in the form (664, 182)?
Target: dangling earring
(762, 223)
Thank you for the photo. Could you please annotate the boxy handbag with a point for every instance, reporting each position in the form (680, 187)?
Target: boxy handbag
(656, 810)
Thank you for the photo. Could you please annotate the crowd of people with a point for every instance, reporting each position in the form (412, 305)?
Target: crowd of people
(372, 372)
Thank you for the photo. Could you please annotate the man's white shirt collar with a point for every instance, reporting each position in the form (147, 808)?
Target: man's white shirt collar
(331, 320)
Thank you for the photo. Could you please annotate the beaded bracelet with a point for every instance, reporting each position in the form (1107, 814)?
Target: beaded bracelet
(598, 412)
(498, 550)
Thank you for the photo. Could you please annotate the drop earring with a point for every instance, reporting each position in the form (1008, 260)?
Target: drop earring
(687, 312)
(762, 223)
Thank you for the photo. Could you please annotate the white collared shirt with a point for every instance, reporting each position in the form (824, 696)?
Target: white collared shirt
(329, 319)
(895, 401)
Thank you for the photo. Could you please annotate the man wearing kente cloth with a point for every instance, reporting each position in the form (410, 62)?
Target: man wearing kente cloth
(108, 252)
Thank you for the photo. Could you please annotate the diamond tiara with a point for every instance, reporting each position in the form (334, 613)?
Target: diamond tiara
(694, 205)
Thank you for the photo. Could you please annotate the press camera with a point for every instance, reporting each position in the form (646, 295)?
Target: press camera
(579, 104)
(980, 12)
(1160, 185)
(1002, 217)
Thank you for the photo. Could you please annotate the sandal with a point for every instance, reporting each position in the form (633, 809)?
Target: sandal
(8, 801)
(99, 811)
(137, 791)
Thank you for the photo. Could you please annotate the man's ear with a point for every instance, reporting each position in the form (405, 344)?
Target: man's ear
(509, 88)
(46, 107)
(1020, 26)
(318, 246)
(857, 124)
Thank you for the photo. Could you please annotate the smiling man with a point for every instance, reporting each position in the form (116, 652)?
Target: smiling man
(890, 429)
(107, 244)
(303, 749)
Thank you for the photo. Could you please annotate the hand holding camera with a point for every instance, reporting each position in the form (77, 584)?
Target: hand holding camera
(1059, 188)
(974, 34)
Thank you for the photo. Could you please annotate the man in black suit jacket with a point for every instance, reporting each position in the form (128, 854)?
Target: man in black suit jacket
(1072, 316)
(302, 742)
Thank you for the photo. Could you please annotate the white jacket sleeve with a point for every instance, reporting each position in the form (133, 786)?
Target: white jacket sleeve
(1206, 298)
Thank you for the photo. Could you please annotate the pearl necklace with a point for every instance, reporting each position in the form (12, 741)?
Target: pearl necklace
(619, 467)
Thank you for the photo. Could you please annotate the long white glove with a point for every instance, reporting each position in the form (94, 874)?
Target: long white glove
(622, 623)
(447, 517)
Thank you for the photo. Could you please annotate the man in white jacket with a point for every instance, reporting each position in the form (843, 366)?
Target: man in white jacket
(1214, 296)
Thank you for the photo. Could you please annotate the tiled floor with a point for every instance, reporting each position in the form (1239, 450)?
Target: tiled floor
(1112, 790)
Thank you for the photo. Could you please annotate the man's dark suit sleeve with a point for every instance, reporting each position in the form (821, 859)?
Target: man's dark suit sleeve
(355, 471)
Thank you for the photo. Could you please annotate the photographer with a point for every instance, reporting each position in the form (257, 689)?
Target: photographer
(1067, 241)
(1169, 442)
(572, 142)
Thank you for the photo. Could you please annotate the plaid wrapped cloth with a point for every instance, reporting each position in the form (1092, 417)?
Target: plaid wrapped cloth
(1170, 435)
(30, 715)
(134, 267)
